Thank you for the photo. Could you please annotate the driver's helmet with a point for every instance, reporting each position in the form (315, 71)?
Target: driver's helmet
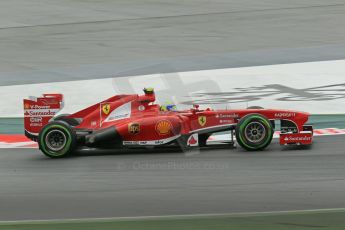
(168, 107)
(148, 90)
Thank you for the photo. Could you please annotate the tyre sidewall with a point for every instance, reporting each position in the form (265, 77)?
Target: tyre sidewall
(240, 130)
(70, 142)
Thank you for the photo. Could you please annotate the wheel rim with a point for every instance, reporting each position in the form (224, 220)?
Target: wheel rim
(56, 140)
(255, 132)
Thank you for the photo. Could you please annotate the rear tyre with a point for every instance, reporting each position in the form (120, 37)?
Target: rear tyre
(68, 120)
(57, 140)
(254, 132)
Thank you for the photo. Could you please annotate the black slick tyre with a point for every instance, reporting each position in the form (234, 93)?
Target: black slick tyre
(57, 139)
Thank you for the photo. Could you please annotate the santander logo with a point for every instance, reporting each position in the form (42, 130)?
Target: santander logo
(297, 138)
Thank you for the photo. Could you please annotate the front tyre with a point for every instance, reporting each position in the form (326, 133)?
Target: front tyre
(57, 139)
(254, 132)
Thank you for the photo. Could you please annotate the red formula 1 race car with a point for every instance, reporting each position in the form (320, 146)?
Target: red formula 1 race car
(134, 121)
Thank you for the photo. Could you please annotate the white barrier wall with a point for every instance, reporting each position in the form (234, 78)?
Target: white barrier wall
(316, 87)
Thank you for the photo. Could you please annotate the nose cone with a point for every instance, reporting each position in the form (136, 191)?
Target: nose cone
(302, 117)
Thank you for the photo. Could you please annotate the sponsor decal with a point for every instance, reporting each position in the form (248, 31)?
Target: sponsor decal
(40, 112)
(93, 123)
(121, 112)
(202, 120)
(297, 138)
(159, 142)
(226, 121)
(106, 109)
(289, 129)
(134, 128)
(141, 108)
(28, 106)
(36, 121)
(284, 114)
(193, 140)
(232, 115)
(151, 142)
(130, 142)
(163, 127)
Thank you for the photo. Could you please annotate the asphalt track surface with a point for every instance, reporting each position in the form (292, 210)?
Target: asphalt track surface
(113, 184)
(48, 41)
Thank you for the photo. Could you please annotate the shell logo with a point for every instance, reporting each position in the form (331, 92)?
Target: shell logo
(163, 127)
(26, 106)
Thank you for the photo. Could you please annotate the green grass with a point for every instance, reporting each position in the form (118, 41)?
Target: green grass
(325, 220)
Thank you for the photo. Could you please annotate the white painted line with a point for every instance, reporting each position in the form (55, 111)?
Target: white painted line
(4, 145)
(172, 217)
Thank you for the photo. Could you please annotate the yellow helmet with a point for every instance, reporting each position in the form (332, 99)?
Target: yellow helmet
(168, 107)
(149, 90)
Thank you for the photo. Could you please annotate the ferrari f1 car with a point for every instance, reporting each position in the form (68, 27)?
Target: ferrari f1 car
(135, 121)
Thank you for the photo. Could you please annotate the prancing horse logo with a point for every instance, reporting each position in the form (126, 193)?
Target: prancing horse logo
(202, 120)
(106, 109)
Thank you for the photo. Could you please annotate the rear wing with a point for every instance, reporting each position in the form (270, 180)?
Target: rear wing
(38, 111)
